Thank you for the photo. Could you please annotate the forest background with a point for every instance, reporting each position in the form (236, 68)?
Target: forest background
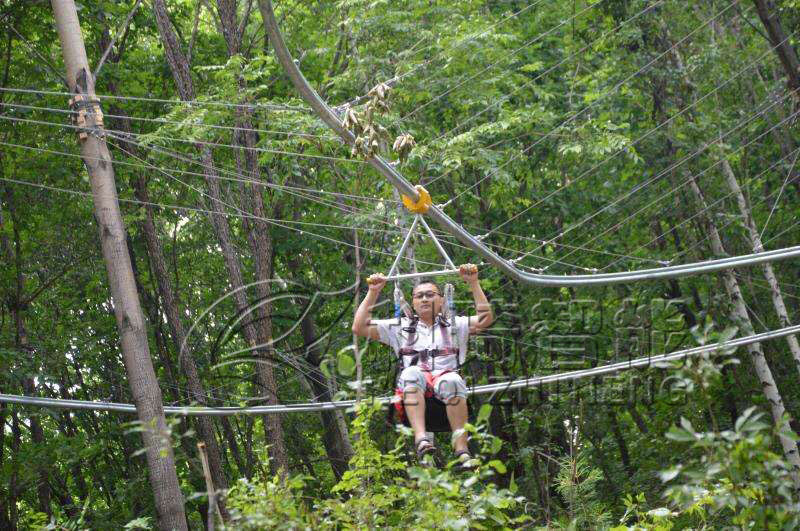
(575, 137)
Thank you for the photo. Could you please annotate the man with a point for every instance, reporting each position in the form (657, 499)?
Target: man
(426, 345)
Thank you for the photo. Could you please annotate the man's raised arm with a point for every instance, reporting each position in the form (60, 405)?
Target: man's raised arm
(484, 316)
(361, 321)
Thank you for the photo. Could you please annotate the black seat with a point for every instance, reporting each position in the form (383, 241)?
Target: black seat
(435, 416)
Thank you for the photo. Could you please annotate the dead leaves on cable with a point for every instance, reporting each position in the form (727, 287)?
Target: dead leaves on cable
(371, 137)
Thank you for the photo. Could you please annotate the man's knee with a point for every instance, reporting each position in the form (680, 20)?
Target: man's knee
(412, 380)
(451, 389)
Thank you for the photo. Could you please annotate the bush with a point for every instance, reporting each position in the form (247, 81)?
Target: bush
(383, 491)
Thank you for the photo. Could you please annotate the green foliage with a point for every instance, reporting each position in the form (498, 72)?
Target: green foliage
(739, 476)
(381, 491)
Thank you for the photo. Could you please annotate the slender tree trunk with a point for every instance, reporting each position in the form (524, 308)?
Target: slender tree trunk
(335, 439)
(768, 14)
(769, 273)
(171, 306)
(258, 232)
(5, 523)
(130, 320)
(742, 319)
(183, 80)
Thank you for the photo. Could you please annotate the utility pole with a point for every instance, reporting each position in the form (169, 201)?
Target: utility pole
(130, 320)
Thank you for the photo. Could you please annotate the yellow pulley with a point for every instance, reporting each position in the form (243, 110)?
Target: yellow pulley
(422, 205)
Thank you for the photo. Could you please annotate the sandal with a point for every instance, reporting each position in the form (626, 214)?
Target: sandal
(424, 447)
(465, 461)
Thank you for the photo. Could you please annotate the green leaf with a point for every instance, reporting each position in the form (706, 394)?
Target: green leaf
(498, 465)
(347, 364)
(483, 413)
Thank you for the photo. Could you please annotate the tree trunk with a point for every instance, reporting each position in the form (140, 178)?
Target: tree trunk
(769, 273)
(742, 319)
(130, 320)
(171, 306)
(258, 232)
(335, 437)
(183, 80)
(780, 42)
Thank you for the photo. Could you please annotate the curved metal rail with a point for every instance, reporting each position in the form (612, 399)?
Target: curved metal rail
(345, 404)
(405, 187)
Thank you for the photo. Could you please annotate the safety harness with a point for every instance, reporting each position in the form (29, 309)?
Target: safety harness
(409, 356)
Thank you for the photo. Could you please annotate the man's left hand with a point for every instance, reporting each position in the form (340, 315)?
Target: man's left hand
(469, 273)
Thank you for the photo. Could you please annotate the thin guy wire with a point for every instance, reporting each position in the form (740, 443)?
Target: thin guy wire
(708, 208)
(170, 102)
(279, 223)
(508, 56)
(200, 142)
(716, 89)
(278, 187)
(175, 122)
(640, 187)
(533, 80)
(217, 169)
(591, 105)
(785, 181)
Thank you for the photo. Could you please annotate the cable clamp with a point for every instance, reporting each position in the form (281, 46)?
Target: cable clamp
(88, 116)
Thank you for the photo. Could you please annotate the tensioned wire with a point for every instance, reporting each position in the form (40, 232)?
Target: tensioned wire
(523, 383)
(716, 202)
(278, 187)
(393, 231)
(462, 81)
(362, 213)
(549, 259)
(546, 258)
(199, 142)
(552, 68)
(684, 183)
(216, 169)
(188, 124)
(359, 213)
(460, 43)
(595, 102)
(672, 167)
(241, 212)
(724, 226)
(127, 137)
(376, 219)
(659, 199)
(245, 215)
(166, 101)
(222, 173)
(769, 98)
(715, 90)
(775, 204)
(440, 234)
(279, 223)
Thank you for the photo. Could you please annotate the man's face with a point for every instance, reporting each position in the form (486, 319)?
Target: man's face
(427, 300)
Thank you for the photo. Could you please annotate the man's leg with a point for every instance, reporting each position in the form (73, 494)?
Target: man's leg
(414, 403)
(457, 415)
(413, 384)
(451, 389)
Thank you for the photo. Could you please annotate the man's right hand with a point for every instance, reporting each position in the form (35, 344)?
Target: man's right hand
(376, 282)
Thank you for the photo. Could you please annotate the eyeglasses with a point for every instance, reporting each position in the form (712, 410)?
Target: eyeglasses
(423, 294)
